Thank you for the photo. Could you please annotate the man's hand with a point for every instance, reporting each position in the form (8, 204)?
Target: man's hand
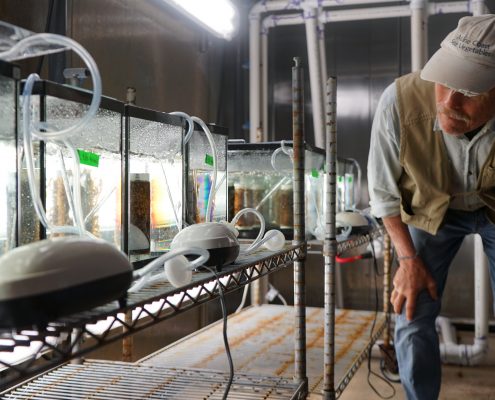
(411, 277)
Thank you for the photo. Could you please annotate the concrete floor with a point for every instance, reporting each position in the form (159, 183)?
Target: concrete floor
(458, 383)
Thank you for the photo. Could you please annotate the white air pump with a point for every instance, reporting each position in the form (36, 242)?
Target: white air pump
(218, 240)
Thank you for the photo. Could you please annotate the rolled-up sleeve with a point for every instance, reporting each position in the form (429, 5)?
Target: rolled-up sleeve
(384, 169)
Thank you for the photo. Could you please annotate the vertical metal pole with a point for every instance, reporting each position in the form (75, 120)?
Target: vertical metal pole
(299, 220)
(387, 276)
(75, 344)
(330, 242)
(127, 342)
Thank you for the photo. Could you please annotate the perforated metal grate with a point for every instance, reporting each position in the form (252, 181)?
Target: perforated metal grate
(262, 342)
(117, 380)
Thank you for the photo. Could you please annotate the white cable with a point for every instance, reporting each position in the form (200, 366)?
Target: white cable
(98, 205)
(28, 154)
(170, 198)
(272, 190)
(29, 129)
(358, 188)
(143, 275)
(209, 136)
(262, 226)
(76, 187)
(282, 299)
(48, 38)
(190, 124)
(244, 298)
(282, 149)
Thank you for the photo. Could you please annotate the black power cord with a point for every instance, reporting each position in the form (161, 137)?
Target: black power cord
(225, 339)
(370, 372)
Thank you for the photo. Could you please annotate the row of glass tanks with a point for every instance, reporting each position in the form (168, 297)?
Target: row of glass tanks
(133, 170)
(260, 177)
(140, 185)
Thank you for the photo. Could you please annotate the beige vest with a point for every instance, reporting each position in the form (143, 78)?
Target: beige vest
(424, 184)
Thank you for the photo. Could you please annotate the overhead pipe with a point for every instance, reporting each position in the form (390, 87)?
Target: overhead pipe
(256, 125)
(325, 16)
(254, 79)
(478, 7)
(264, 6)
(419, 34)
(316, 84)
(361, 14)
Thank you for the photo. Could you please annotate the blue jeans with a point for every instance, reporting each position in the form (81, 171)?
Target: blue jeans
(416, 341)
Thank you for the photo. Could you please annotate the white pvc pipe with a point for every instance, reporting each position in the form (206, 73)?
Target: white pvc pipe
(450, 351)
(316, 84)
(481, 290)
(361, 14)
(264, 85)
(254, 80)
(419, 34)
(478, 7)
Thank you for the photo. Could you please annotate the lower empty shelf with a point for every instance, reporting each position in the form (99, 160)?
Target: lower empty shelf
(262, 342)
(118, 380)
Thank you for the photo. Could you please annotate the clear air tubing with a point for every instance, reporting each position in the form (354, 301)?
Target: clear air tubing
(50, 132)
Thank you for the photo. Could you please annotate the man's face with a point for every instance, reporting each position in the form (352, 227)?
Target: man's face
(459, 114)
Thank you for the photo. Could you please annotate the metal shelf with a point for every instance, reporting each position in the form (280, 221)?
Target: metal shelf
(261, 342)
(118, 380)
(150, 306)
(359, 240)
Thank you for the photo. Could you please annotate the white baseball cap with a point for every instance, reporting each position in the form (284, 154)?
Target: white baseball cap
(466, 58)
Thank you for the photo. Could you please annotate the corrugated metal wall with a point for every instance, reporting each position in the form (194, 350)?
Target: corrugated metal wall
(173, 64)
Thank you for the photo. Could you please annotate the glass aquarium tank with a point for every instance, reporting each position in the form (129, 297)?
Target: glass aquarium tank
(154, 174)
(99, 149)
(200, 168)
(260, 177)
(9, 77)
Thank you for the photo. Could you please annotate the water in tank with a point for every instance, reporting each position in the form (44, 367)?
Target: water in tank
(99, 149)
(154, 170)
(200, 167)
(9, 75)
(260, 176)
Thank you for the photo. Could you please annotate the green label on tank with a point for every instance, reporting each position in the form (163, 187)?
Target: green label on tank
(209, 160)
(88, 158)
(314, 173)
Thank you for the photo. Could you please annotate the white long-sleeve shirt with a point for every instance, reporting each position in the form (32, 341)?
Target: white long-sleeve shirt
(384, 169)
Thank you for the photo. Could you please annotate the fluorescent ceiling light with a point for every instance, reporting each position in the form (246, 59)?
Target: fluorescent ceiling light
(219, 16)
